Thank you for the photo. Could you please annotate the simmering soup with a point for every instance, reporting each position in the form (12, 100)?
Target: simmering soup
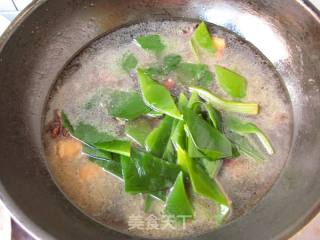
(166, 129)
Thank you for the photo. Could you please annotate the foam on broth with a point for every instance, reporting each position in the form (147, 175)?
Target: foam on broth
(82, 91)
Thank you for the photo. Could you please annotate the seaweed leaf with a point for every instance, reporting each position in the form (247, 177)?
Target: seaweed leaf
(151, 42)
(157, 96)
(231, 82)
(226, 105)
(128, 62)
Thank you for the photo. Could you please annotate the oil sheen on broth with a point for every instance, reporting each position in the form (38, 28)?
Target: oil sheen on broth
(82, 91)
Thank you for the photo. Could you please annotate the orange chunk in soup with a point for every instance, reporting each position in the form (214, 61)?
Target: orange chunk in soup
(68, 149)
(89, 172)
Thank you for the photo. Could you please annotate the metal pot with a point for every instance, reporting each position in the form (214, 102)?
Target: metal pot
(48, 34)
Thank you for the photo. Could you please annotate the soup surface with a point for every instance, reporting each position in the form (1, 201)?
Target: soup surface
(82, 91)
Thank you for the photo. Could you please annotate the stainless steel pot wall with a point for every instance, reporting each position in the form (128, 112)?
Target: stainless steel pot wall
(46, 35)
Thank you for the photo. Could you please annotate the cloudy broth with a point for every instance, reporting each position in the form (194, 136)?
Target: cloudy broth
(82, 91)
